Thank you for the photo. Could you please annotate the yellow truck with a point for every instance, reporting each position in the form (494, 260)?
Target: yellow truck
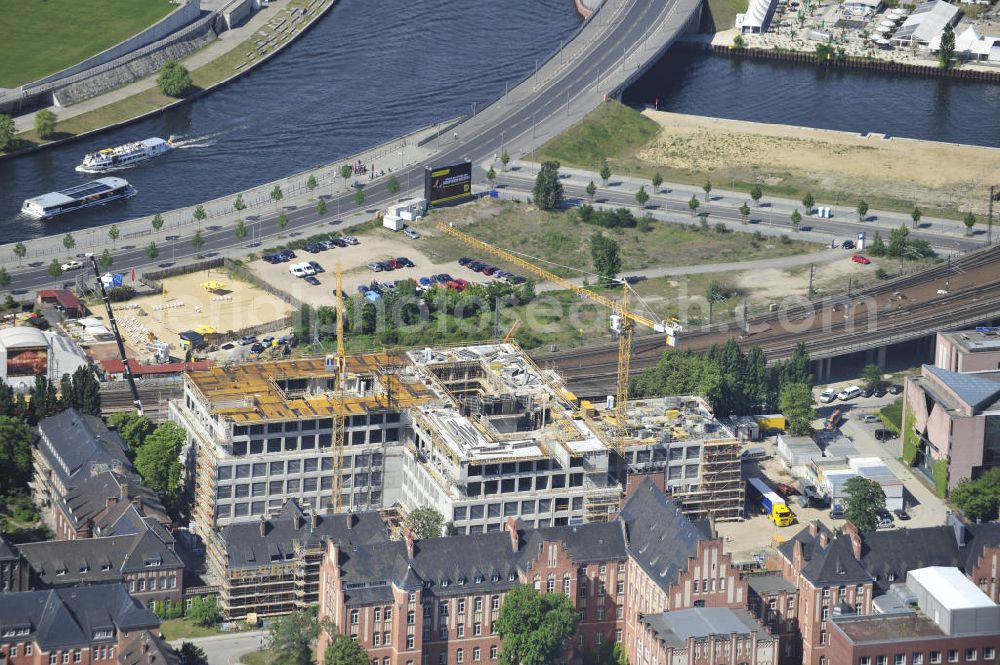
(770, 503)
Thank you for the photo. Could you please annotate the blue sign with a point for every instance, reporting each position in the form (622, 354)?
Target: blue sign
(987, 329)
(861, 235)
(117, 279)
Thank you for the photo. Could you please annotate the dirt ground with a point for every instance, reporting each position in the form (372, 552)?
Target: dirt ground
(377, 245)
(903, 169)
(186, 305)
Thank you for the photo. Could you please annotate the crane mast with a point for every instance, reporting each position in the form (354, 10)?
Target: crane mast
(127, 370)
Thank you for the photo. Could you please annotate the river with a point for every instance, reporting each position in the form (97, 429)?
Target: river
(362, 77)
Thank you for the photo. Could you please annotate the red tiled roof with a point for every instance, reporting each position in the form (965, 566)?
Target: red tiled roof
(115, 366)
(62, 296)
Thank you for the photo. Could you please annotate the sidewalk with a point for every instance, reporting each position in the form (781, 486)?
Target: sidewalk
(225, 42)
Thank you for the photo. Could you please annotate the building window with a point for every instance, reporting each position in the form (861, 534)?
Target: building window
(935, 656)
(354, 617)
(620, 590)
(476, 652)
(460, 656)
(443, 658)
(387, 638)
(618, 634)
(387, 613)
(443, 608)
(377, 614)
(970, 654)
(29, 649)
(461, 606)
(443, 632)
(899, 659)
(413, 597)
(550, 585)
(918, 658)
(600, 613)
(461, 630)
(825, 639)
(76, 656)
(566, 584)
(54, 658)
(493, 652)
(864, 660)
(479, 604)
(952, 655)
(409, 641)
(826, 592)
(377, 639)
(989, 653)
(411, 618)
(65, 656)
(495, 602)
(477, 629)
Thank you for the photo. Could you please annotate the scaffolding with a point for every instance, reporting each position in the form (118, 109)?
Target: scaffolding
(719, 494)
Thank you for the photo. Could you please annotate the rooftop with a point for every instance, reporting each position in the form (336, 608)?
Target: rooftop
(978, 390)
(770, 583)
(950, 587)
(666, 419)
(887, 628)
(975, 341)
(675, 628)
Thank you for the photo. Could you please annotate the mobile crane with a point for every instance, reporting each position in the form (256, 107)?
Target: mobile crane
(623, 320)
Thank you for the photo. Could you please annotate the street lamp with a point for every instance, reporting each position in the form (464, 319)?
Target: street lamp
(400, 153)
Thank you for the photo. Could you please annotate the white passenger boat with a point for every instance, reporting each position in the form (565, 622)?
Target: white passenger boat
(124, 156)
(93, 193)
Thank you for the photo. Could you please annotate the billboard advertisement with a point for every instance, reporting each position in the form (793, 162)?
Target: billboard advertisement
(27, 362)
(448, 184)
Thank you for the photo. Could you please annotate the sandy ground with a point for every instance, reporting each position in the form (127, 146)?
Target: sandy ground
(376, 246)
(187, 305)
(904, 169)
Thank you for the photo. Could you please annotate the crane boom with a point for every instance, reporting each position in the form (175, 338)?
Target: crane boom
(338, 414)
(668, 327)
(127, 370)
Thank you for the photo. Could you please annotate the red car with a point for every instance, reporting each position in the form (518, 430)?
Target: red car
(463, 284)
(863, 260)
(786, 490)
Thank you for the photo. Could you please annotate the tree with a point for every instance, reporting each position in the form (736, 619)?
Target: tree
(657, 182)
(877, 245)
(105, 260)
(283, 220)
(534, 626)
(969, 220)
(4, 278)
(277, 194)
(796, 403)
(81, 391)
(54, 269)
(591, 189)
(796, 217)
(393, 185)
(862, 210)
(739, 42)
(491, 176)
(504, 160)
(204, 611)
(809, 201)
(898, 241)
(915, 216)
(346, 172)
(425, 523)
(69, 242)
(606, 255)
(345, 651)
(864, 502)
(359, 197)
(292, 636)
(152, 251)
(157, 460)
(20, 250)
(744, 212)
(756, 193)
(311, 183)
(174, 80)
(45, 124)
(191, 654)
(979, 499)
(197, 241)
(16, 438)
(872, 376)
(199, 213)
(238, 203)
(321, 207)
(641, 197)
(947, 49)
(157, 222)
(548, 190)
(240, 230)
(132, 428)
(605, 173)
(6, 131)
(113, 234)
(708, 190)
(693, 204)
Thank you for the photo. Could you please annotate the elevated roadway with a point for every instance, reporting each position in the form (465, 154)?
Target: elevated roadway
(616, 45)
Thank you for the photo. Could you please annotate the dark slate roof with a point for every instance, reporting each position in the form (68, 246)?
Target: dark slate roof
(976, 391)
(246, 548)
(79, 440)
(89, 498)
(586, 543)
(978, 537)
(832, 565)
(68, 618)
(764, 585)
(676, 627)
(891, 553)
(156, 651)
(7, 552)
(660, 537)
(84, 560)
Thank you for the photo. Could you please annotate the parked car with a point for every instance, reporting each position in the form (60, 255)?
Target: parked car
(350, 240)
(895, 389)
(517, 279)
(297, 270)
(463, 284)
(885, 522)
(411, 234)
(271, 258)
(247, 340)
(267, 341)
(405, 262)
(362, 289)
(307, 269)
(870, 418)
(850, 392)
(863, 260)
(316, 266)
(425, 282)
(256, 348)
(879, 392)
(71, 265)
(847, 244)
(375, 266)
(901, 514)
(883, 434)
(286, 254)
(827, 396)
(464, 261)
(837, 512)
(786, 490)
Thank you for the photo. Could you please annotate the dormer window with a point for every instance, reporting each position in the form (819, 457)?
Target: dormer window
(60, 572)
(511, 577)
(84, 569)
(106, 634)
(461, 581)
(444, 583)
(106, 567)
(152, 563)
(479, 579)
(495, 578)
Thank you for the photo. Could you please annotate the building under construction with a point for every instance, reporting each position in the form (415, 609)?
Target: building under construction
(694, 457)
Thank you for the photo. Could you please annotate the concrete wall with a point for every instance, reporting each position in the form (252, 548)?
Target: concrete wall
(177, 19)
(949, 356)
(238, 11)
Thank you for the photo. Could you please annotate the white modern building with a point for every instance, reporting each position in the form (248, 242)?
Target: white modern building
(757, 18)
(925, 25)
(27, 352)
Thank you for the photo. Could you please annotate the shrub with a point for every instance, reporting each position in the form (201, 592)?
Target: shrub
(120, 293)
(174, 80)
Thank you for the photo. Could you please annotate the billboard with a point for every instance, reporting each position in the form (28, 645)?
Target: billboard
(27, 362)
(448, 184)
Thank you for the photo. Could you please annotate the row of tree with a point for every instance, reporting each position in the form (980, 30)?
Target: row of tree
(155, 453)
(80, 390)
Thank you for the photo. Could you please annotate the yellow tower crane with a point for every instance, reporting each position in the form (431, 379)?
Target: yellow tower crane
(623, 320)
(338, 413)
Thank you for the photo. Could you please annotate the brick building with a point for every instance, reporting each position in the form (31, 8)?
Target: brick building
(433, 602)
(838, 575)
(704, 636)
(937, 616)
(772, 599)
(90, 625)
(13, 568)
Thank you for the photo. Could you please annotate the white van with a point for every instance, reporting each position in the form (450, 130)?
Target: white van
(850, 392)
(297, 270)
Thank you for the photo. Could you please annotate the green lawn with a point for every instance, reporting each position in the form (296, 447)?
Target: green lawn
(723, 13)
(258, 658)
(612, 130)
(41, 37)
(175, 629)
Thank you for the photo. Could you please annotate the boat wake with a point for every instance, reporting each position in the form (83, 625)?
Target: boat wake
(205, 141)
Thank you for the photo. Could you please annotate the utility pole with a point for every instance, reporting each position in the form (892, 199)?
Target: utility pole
(994, 196)
(810, 294)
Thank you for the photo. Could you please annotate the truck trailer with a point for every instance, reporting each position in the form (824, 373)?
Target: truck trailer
(770, 502)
